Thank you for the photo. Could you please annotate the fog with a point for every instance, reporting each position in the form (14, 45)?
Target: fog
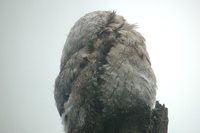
(32, 35)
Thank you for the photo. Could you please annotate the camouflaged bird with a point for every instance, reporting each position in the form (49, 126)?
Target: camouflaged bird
(105, 72)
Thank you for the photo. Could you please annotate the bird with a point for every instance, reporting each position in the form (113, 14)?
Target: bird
(105, 72)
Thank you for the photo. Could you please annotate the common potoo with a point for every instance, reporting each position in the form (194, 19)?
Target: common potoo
(105, 72)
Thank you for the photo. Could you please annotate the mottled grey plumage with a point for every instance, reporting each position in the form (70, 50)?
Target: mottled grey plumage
(105, 72)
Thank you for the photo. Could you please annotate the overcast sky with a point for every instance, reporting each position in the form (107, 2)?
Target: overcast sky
(32, 35)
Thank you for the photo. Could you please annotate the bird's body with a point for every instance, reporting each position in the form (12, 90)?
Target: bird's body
(105, 72)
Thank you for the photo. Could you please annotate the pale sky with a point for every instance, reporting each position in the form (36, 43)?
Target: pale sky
(32, 35)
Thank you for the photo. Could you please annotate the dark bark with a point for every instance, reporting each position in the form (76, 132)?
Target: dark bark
(160, 118)
(142, 120)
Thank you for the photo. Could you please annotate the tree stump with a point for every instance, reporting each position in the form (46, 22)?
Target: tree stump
(141, 120)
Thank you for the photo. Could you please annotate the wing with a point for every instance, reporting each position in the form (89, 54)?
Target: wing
(81, 42)
(65, 79)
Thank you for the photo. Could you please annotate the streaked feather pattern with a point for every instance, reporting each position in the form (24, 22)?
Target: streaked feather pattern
(105, 71)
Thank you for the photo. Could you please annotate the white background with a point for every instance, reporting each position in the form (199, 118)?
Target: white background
(32, 35)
